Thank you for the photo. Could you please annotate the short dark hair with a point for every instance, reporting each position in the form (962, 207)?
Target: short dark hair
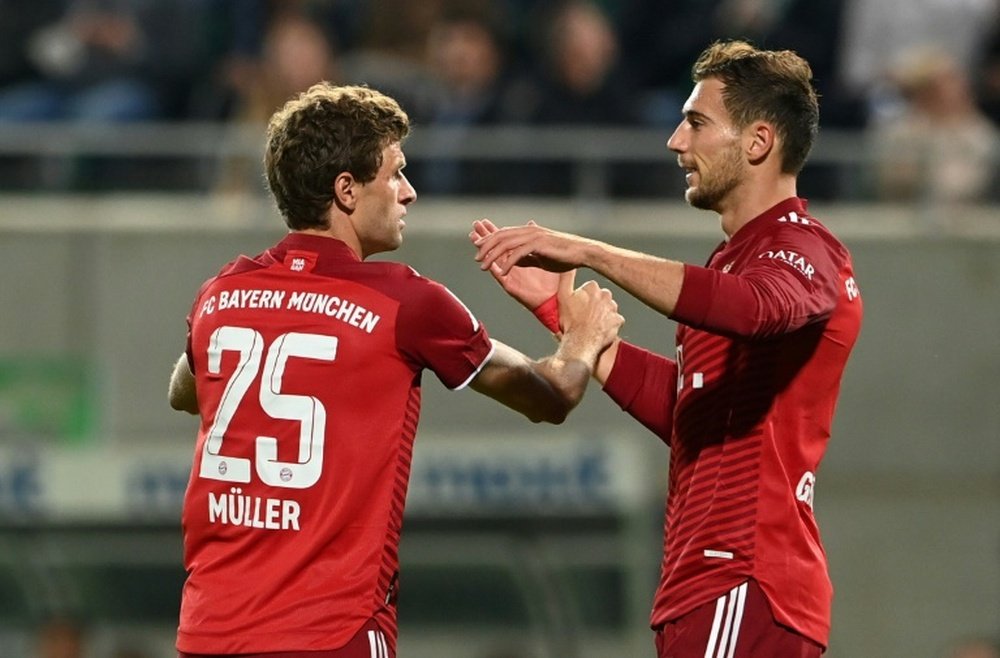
(770, 85)
(321, 133)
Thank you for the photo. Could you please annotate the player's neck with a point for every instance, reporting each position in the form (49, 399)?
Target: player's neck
(751, 199)
(334, 231)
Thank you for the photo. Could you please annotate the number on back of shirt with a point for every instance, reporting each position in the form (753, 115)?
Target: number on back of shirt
(306, 409)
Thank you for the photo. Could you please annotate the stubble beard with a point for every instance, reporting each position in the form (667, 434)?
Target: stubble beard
(712, 191)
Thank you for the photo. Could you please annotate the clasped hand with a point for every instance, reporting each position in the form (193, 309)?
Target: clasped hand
(533, 264)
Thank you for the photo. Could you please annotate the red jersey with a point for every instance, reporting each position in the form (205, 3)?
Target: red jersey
(308, 364)
(764, 334)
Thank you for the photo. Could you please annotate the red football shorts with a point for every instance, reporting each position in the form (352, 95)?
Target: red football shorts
(369, 642)
(737, 625)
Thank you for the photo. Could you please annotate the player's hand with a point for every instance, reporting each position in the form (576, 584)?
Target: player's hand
(530, 245)
(531, 286)
(588, 314)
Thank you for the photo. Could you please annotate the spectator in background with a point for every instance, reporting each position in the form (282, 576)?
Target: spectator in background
(296, 54)
(941, 147)
(107, 60)
(389, 54)
(18, 21)
(659, 41)
(237, 29)
(241, 30)
(467, 54)
(878, 33)
(582, 80)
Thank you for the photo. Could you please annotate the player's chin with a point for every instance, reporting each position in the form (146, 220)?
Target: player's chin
(696, 199)
(387, 243)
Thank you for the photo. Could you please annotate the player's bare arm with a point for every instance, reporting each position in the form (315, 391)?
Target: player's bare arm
(182, 392)
(548, 389)
(654, 281)
(534, 286)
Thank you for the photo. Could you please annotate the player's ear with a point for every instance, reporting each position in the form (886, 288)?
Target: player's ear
(759, 140)
(345, 189)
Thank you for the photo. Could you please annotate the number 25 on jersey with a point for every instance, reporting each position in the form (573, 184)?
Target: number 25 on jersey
(305, 409)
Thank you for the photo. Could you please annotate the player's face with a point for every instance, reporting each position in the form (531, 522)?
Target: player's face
(382, 204)
(708, 147)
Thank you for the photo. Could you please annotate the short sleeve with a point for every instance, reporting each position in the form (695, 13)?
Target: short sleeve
(435, 330)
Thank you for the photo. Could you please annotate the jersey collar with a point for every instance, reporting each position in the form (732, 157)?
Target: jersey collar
(326, 248)
(794, 204)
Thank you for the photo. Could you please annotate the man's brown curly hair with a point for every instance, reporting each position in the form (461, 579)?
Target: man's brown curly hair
(323, 132)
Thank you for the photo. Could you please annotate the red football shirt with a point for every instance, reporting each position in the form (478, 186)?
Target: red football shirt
(764, 334)
(308, 365)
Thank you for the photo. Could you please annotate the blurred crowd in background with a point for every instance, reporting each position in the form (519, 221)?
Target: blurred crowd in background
(920, 77)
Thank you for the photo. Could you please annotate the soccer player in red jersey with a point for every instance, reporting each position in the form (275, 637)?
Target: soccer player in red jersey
(304, 363)
(765, 329)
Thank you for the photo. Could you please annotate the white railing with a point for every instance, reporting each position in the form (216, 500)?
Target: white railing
(592, 152)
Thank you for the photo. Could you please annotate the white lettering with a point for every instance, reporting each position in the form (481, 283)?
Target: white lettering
(271, 523)
(368, 324)
(334, 307)
(851, 286)
(216, 508)
(236, 509)
(346, 308)
(236, 504)
(796, 261)
(254, 298)
(806, 488)
(356, 316)
(331, 306)
(289, 515)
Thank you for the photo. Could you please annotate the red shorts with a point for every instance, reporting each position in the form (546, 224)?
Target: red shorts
(369, 642)
(737, 625)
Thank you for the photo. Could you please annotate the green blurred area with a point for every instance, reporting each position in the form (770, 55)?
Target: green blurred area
(52, 397)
